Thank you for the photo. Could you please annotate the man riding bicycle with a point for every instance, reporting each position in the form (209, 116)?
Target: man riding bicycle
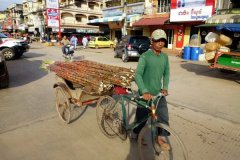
(152, 77)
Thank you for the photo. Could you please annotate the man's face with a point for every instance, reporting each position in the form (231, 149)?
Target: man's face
(157, 45)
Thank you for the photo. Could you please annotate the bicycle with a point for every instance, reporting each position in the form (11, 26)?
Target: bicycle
(112, 121)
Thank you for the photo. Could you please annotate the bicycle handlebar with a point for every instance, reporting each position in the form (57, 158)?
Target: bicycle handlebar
(154, 97)
(140, 101)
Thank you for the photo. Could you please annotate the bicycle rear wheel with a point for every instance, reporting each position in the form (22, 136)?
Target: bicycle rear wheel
(109, 117)
(153, 150)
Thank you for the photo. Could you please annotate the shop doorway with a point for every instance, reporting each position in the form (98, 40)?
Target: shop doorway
(170, 35)
(137, 32)
(118, 34)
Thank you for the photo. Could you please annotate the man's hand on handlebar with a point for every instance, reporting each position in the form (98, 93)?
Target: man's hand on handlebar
(147, 96)
(164, 92)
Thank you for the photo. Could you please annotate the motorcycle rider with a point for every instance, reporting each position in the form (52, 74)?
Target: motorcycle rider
(64, 42)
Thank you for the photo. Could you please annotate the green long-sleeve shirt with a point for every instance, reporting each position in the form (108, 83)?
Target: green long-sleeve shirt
(152, 73)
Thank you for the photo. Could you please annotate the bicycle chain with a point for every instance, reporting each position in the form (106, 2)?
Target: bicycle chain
(121, 130)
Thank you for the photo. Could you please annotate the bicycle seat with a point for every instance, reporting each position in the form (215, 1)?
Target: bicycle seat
(119, 90)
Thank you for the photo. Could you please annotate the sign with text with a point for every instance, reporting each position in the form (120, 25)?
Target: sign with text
(52, 4)
(52, 17)
(199, 13)
(187, 3)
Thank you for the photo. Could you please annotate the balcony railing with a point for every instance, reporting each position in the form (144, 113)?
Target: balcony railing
(84, 9)
(134, 1)
(163, 9)
(73, 22)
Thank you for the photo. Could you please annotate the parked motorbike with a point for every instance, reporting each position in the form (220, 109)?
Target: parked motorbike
(68, 51)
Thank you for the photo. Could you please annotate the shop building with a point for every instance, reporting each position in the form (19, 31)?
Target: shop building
(31, 20)
(185, 15)
(14, 18)
(177, 17)
(31, 16)
(74, 15)
(3, 16)
(119, 15)
(156, 16)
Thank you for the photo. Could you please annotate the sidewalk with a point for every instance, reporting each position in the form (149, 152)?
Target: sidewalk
(171, 51)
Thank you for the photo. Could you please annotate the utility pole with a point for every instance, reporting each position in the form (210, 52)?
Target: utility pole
(59, 21)
(124, 28)
(13, 22)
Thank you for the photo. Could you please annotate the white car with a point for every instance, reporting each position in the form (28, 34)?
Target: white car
(12, 48)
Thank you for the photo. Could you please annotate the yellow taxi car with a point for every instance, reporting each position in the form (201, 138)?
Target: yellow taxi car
(97, 42)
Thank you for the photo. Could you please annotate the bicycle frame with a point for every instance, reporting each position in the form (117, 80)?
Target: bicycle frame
(119, 126)
(134, 124)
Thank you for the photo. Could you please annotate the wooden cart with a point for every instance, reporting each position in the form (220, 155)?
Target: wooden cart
(81, 83)
(227, 61)
(71, 100)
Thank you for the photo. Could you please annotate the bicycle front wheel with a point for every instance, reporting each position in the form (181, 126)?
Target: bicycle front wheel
(150, 149)
(109, 118)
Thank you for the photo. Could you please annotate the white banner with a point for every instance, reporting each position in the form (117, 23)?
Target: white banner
(53, 17)
(191, 14)
(53, 23)
(52, 4)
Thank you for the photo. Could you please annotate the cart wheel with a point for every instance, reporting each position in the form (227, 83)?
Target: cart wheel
(63, 105)
(109, 118)
(77, 111)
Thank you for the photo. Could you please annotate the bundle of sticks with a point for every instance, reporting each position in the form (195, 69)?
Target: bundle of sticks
(95, 78)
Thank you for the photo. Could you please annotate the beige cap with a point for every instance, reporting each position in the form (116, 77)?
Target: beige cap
(158, 34)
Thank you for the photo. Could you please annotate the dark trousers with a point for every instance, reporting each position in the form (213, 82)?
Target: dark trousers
(161, 112)
(64, 49)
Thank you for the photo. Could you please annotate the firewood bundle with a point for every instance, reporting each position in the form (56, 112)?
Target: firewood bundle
(93, 77)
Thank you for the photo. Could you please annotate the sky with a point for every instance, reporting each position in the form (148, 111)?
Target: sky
(5, 3)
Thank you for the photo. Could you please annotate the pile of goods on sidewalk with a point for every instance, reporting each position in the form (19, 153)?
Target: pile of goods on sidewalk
(93, 77)
(216, 43)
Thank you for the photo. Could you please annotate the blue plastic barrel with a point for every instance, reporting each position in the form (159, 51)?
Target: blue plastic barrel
(186, 53)
(194, 53)
(200, 51)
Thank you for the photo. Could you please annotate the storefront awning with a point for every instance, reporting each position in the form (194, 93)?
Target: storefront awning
(222, 19)
(151, 21)
(230, 27)
(130, 18)
(207, 25)
(106, 19)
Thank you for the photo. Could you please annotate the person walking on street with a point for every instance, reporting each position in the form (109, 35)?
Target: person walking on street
(73, 41)
(115, 41)
(152, 77)
(84, 42)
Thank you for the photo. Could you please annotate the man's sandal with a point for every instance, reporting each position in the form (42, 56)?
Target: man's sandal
(144, 143)
(163, 145)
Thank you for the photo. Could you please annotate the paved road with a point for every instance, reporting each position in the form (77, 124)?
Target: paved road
(203, 105)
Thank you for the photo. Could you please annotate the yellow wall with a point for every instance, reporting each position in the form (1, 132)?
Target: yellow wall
(146, 31)
(186, 35)
(2, 16)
